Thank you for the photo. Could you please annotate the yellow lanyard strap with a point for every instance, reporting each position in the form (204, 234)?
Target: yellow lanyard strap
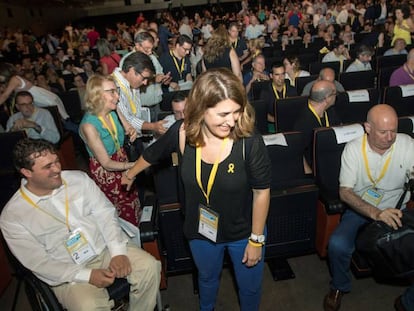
(180, 71)
(125, 90)
(317, 117)
(276, 92)
(213, 172)
(113, 132)
(66, 222)
(383, 170)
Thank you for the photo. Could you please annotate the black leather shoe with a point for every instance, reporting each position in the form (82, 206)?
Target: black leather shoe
(398, 304)
(332, 301)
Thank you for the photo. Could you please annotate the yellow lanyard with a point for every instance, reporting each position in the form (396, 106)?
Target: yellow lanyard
(180, 71)
(235, 43)
(113, 132)
(383, 170)
(276, 92)
(213, 172)
(132, 104)
(317, 117)
(66, 222)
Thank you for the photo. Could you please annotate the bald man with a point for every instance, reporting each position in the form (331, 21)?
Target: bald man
(374, 169)
(318, 113)
(404, 74)
(326, 74)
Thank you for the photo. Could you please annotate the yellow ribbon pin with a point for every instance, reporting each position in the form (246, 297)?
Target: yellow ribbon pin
(231, 168)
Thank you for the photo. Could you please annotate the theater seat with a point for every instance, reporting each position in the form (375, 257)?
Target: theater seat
(291, 222)
(328, 145)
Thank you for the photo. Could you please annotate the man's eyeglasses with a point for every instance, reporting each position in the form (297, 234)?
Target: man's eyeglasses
(144, 78)
(187, 50)
(113, 91)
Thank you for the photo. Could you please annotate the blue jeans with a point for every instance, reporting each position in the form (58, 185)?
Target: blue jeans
(340, 249)
(408, 298)
(208, 258)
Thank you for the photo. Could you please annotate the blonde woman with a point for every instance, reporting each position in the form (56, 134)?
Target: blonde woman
(103, 135)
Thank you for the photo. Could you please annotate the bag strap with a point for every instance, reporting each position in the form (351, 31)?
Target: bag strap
(409, 184)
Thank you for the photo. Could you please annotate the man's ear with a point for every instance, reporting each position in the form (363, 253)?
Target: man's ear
(367, 127)
(26, 172)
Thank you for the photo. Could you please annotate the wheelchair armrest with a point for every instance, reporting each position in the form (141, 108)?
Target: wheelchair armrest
(149, 229)
(118, 289)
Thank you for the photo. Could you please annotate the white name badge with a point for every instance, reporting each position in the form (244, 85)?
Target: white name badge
(208, 223)
(373, 197)
(78, 247)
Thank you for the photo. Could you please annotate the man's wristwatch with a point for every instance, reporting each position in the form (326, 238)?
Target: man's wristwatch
(257, 238)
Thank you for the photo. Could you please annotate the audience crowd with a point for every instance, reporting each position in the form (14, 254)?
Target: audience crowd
(143, 62)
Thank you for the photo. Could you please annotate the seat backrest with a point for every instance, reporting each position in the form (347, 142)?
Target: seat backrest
(300, 82)
(401, 98)
(257, 88)
(315, 67)
(328, 144)
(357, 80)
(56, 117)
(286, 155)
(390, 61)
(291, 221)
(7, 142)
(406, 125)
(353, 106)
(260, 108)
(384, 75)
(287, 110)
(9, 178)
(73, 106)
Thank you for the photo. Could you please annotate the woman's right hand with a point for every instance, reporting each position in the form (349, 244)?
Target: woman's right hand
(127, 181)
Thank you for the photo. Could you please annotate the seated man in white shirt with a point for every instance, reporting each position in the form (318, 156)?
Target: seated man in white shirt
(338, 54)
(62, 227)
(178, 106)
(37, 122)
(363, 58)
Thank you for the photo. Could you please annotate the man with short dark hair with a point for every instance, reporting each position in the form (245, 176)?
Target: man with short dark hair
(37, 122)
(62, 227)
(177, 62)
(363, 58)
(178, 104)
(277, 89)
(136, 70)
(151, 96)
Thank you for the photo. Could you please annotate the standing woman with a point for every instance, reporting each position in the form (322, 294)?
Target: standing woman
(109, 59)
(103, 135)
(218, 52)
(225, 172)
(403, 24)
(292, 69)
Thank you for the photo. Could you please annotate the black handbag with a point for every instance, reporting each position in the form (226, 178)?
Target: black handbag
(389, 252)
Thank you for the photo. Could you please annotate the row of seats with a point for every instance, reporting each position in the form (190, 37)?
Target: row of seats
(351, 106)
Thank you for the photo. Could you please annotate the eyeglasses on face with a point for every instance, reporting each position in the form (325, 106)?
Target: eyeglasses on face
(144, 78)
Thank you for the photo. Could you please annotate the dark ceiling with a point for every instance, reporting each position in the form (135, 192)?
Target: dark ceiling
(53, 3)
